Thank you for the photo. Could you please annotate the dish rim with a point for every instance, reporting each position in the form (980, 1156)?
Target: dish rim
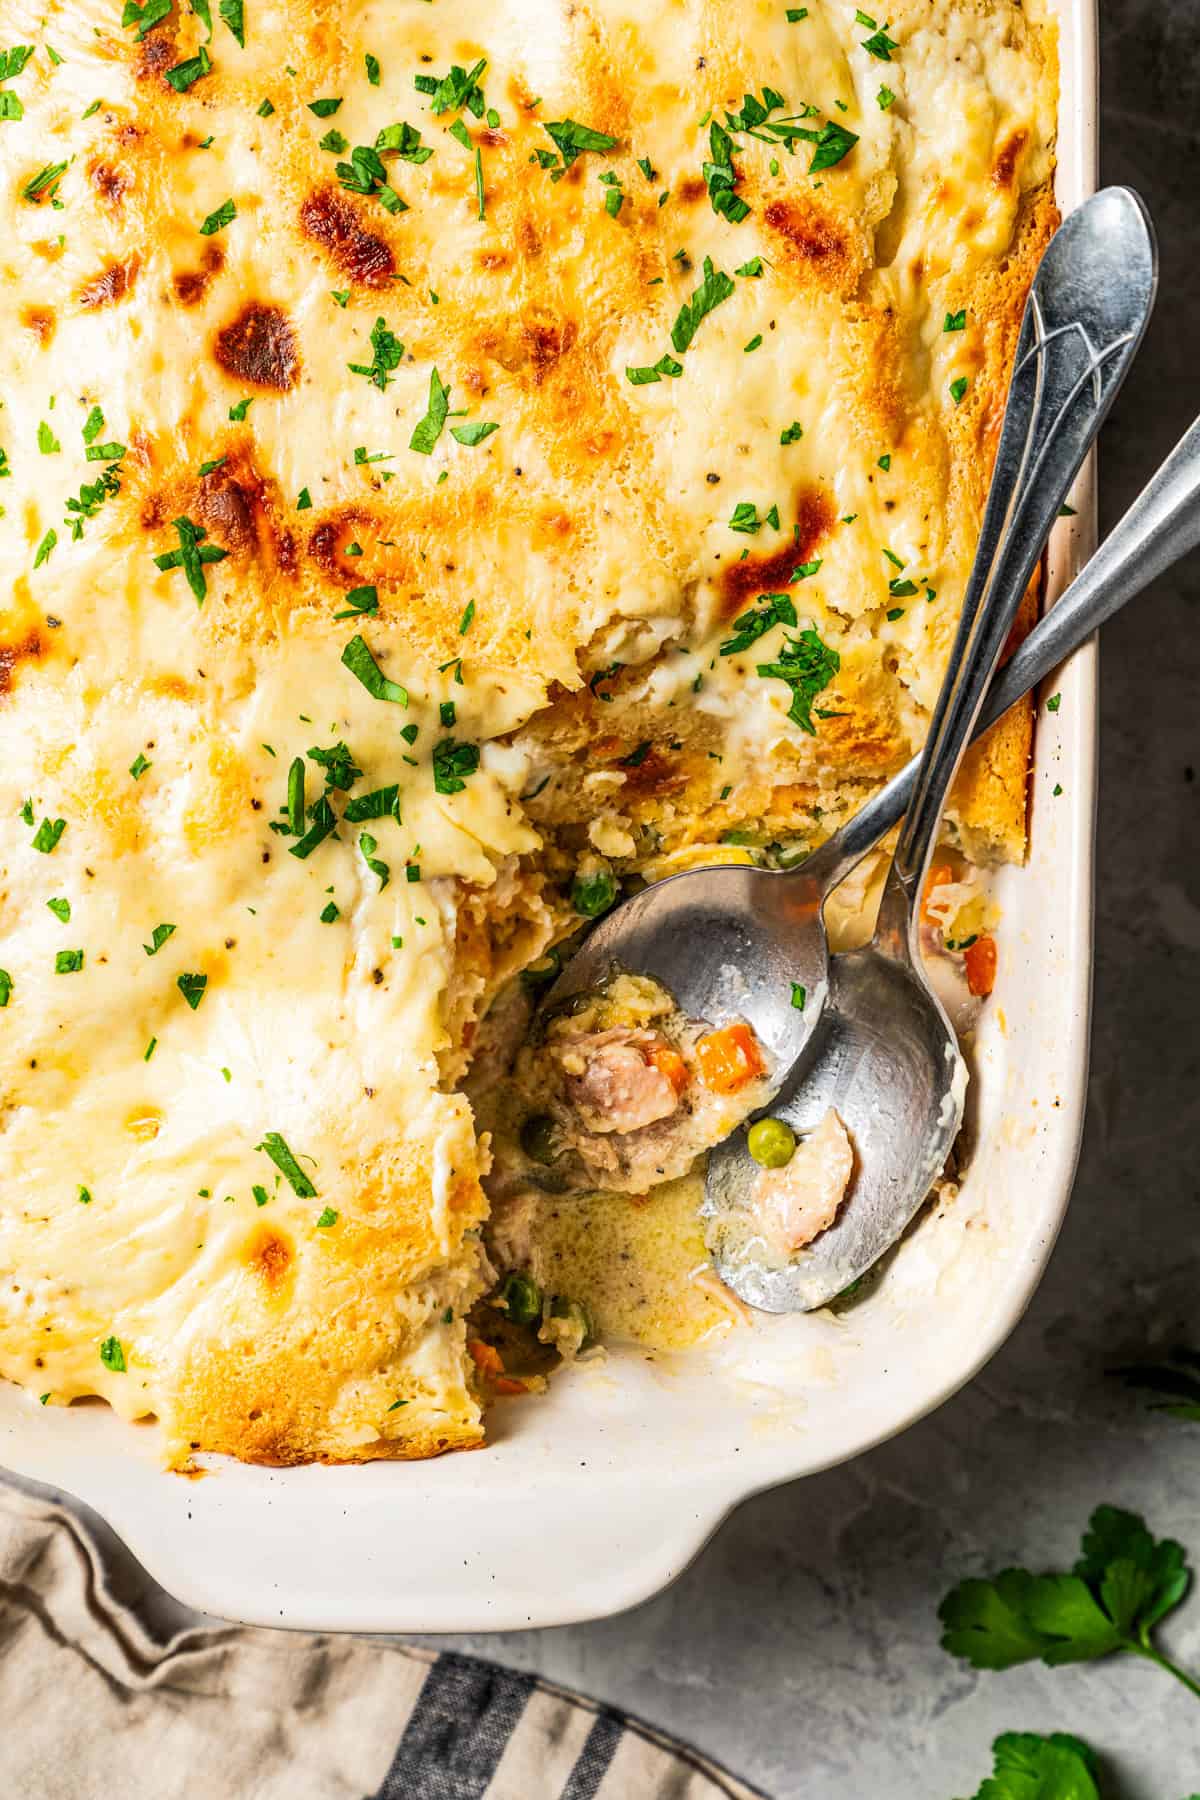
(628, 1538)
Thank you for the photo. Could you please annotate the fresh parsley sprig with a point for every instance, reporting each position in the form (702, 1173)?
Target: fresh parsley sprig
(1124, 1583)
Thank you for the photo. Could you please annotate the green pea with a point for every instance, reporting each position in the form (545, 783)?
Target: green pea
(771, 1143)
(542, 972)
(593, 894)
(538, 1138)
(521, 1298)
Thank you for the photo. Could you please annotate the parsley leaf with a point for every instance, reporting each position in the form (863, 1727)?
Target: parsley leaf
(956, 321)
(880, 46)
(145, 17)
(777, 609)
(360, 602)
(368, 846)
(358, 659)
(453, 763)
(277, 1149)
(112, 1355)
(324, 822)
(429, 429)
(456, 90)
(715, 288)
(225, 214)
(191, 556)
(643, 376)
(185, 74)
(381, 803)
(366, 173)
(44, 182)
(328, 1217)
(571, 139)
(405, 142)
(324, 109)
(472, 434)
(341, 770)
(834, 143)
(1124, 1583)
(387, 350)
(1027, 1766)
(808, 666)
(158, 938)
(48, 834)
(233, 13)
(720, 177)
(6, 987)
(48, 444)
(192, 987)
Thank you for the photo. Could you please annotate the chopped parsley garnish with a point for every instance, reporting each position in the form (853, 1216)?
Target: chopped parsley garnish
(324, 822)
(68, 962)
(328, 1217)
(144, 17)
(885, 98)
(745, 518)
(752, 268)
(185, 74)
(1054, 702)
(366, 174)
(233, 13)
(84, 1196)
(324, 109)
(92, 494)
(360, 602)
(895, 612)
(956, 321)
(447, 714)
(958, 388)
(472, 434)
(295, 797)
(240, 408)
(456, 90)
(777, 609)
(158, 938)
(807, 666)
(381, 803)
(92, 426)
(45, 547)
(453, 764)
(48, 834)
(191, 556)
(372, 63)
(335, 143)
(341, 770)
(901, 589)
(720, 177)
(112, 1355)
(834, 143)
(192, 987)
(210, 468)
(47, 443)
(277, 1149)
(44, 182)
(329, 912)
(754, 344)
(468, 618)
(429, 429)
(387, 352)
(880, 46)
(792, 433)
(642, 377)
(6, 987)
(358, 659)
(571, 140)
(303, 500)
(265, 109)
(225, 214)
(884, 463)
(61, 909)
(715, 287)
(405, 142)
(799, 996)
(368, 846)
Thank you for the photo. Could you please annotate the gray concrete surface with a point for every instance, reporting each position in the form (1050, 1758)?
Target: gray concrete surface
(802, 1648)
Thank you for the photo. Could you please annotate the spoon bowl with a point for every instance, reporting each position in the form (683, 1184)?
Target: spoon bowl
(884, 1057)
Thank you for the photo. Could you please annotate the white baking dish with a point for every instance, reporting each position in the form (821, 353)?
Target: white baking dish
(593, 1498)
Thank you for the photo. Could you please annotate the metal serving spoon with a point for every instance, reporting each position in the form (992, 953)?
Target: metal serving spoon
(734, 943)
(883, 1056)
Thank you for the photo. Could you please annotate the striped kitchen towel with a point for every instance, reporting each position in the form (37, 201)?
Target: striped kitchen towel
(95, 1706)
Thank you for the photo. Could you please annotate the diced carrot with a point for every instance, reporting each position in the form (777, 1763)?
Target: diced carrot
(485, 1357)
(980, 958)
(668, 1062)
(729, 1058)
(937, 877)
(508, 1384)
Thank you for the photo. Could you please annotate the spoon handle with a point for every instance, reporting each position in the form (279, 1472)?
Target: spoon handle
(1085, 317)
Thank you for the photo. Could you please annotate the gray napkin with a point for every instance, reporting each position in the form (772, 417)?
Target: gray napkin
(94, 1707)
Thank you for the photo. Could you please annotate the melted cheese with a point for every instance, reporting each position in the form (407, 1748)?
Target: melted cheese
(591, 528)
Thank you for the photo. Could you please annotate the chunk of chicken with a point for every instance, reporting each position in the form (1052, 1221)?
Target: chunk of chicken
(612, 1082)
(792, 1205)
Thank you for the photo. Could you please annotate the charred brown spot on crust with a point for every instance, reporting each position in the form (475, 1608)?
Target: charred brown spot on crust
(691, 188)
(269, 1256)
(157, 56)
(259, 346)
(26, 649)
(1007, 158)
(41, 321)
(190, 284)
(655, 774)
(490, 135)
(493, 259)
(109, 285)
(546, 340)
(741, 582)
(240, 511)
(811, 233)
(528, 241)
(329, 542)
(332, 221)
(110, 183)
